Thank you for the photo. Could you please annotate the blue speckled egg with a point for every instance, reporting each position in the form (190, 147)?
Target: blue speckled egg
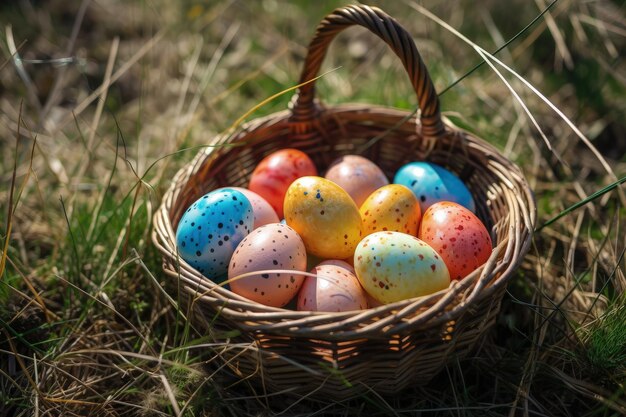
(211, 229)
(432, 183)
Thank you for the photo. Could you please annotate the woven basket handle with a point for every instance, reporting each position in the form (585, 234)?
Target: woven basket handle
(386, 28)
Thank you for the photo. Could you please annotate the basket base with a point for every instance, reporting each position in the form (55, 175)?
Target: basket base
(340, 371)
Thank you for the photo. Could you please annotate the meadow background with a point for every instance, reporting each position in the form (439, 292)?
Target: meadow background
(102, 101)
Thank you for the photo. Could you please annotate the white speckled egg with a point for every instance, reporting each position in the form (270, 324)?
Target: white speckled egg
(394, 266)
(334, 288)
(273, 246)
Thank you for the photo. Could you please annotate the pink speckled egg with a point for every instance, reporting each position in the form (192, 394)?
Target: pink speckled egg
(261, 209)
(273, 246)
(334, 289)
(347, 264)
(457, 235)
(392, 208)
(338, 262)
(357, 175)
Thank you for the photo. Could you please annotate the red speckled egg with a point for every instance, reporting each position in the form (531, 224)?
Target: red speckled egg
(357, 175)
(273, 246)
(276, 172)
(457, 235)
(335, 288)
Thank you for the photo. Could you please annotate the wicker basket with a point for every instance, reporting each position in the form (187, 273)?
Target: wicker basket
(337, 355)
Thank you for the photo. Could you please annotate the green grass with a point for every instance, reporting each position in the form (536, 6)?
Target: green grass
(605, 343)
(90, 325)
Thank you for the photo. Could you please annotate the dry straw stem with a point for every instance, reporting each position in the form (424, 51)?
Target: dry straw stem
(54, 94)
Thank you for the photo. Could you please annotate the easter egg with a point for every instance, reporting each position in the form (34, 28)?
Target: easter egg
(457, 235)
(210, 230)
(391, 208)
(262, 210)
(432, 183)
(338, 263)
(273, 175)
(324, 215)
(335, 288)
(357, 175)
(371, 301)
(270, 247)
(394, 266)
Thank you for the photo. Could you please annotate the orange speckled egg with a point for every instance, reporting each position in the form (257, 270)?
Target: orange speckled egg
(357, 175)
(457, 235)
(324, 216)
(261, 209)
(271, 178)
(273, 246)
(334, 288)
(393, 208)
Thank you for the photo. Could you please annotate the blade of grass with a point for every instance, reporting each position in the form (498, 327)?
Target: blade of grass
(13, 55)
(101, 102)
(58, 81)
(117, 75)
(581, 203)
(97, 214)
(9, 223)
(562, 115)
(507, 43)
(31, 89)
(272, 97)
(521, 103)
(380, 136)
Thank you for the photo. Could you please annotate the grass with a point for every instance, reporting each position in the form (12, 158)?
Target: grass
(95, 122)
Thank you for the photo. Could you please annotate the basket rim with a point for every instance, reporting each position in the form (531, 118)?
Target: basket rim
(387, 319)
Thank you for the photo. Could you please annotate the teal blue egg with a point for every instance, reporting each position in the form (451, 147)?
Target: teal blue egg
(432, 183)
(211, 228)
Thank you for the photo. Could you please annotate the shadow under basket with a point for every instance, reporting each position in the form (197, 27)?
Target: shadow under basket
(384, 349)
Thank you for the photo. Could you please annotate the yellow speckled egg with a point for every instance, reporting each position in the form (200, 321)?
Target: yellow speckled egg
(392, 208)
(324, 215)
(393, 266)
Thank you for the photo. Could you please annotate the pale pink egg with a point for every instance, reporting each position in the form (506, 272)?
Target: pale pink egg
(334, 288)
(262, 210)
(359, 176)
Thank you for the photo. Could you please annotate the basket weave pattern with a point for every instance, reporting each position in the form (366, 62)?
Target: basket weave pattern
(336, 355)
